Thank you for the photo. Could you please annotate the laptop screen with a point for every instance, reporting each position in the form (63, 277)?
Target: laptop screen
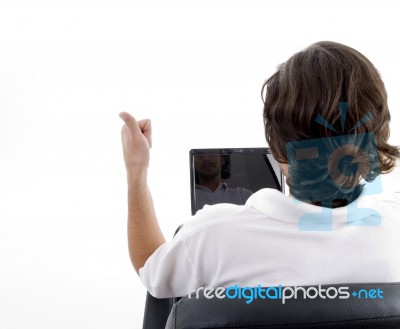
(231, 175)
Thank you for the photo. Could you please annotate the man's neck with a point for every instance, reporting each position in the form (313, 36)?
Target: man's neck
(211, 184)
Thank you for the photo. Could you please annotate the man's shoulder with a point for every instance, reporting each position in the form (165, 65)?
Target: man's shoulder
(218, 214)
(223, 213)
(239, 190)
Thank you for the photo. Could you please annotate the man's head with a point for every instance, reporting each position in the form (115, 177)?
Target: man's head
(323, 92)
(208, 166)
(211, 166)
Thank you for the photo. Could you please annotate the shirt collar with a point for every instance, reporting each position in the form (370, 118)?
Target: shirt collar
(279, 206)
(221, 186)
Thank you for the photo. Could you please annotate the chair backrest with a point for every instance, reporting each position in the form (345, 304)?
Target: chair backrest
(369, 305)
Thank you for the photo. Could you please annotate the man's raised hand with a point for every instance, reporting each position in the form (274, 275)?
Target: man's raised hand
(136, 143)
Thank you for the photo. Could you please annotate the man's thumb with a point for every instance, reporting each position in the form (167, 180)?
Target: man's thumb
(130, 122)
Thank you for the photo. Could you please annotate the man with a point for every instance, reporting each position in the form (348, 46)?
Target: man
(331, 230)
(210, 169)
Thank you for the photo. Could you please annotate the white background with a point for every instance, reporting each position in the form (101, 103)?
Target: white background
(68, 67)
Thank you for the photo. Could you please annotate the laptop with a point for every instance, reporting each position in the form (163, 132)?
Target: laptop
(231, 175)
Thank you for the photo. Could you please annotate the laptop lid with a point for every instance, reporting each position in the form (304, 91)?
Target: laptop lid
(231, 175)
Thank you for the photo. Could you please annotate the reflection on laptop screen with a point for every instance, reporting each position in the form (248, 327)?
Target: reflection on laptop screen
(231, 175)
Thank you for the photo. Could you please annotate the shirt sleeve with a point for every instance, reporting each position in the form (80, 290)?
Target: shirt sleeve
(169, 271)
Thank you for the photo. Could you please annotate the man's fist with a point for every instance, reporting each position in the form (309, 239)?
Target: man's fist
(136, 143)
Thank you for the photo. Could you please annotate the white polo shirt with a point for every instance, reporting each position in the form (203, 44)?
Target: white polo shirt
(264, 242)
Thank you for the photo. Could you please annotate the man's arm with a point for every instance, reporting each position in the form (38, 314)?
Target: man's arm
(144, 233)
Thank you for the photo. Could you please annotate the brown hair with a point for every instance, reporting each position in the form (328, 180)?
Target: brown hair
(311, 84)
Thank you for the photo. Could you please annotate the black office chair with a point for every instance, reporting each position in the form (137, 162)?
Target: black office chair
(363, 313)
